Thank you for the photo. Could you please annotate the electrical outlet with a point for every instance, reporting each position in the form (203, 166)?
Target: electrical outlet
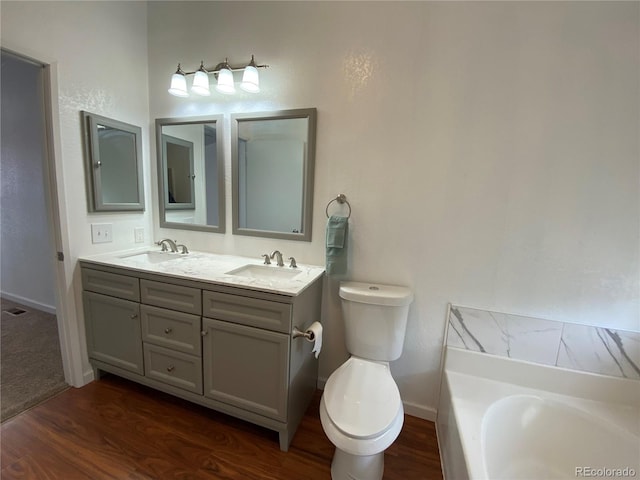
(101, 232)
(138, 233)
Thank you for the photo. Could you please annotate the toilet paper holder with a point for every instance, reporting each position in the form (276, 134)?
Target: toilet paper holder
(299, 333)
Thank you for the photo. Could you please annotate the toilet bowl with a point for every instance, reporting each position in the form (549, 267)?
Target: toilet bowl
(361, 410)
(362, 414)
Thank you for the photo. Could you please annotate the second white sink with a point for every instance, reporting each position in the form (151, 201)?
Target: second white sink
(265, 272)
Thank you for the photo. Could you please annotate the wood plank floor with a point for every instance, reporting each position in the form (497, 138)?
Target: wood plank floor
(116, 429)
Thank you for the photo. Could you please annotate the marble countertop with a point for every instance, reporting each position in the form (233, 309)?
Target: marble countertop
(211, 268)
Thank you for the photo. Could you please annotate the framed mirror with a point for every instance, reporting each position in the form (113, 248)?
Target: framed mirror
(191, 173)
(273, 163)
(113, 153)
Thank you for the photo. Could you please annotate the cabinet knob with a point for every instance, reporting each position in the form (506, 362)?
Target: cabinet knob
(168, 330)
(134, 315)
(170, 368)
(204, 333)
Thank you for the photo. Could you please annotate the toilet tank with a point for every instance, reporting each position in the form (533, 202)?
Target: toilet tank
(375, 319)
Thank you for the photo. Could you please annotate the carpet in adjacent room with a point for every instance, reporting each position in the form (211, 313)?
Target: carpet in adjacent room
(30, 359)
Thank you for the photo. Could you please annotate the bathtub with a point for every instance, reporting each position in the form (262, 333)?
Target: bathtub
(500, 418)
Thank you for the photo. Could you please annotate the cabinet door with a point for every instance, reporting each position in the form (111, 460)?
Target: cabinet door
(113, 331)
(246, 367)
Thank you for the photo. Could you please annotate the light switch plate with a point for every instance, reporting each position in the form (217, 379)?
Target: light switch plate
(138, 233)
(101, 232)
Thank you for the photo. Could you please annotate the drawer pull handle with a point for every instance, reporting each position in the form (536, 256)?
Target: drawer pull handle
(168, 330)
(170, 368)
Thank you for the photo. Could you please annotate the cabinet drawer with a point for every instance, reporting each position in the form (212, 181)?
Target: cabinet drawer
(111, 284)
(247, 311)
(174, 368)
(171, 329)
(175, 297)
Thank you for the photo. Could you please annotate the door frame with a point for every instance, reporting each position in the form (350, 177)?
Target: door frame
(68, 331)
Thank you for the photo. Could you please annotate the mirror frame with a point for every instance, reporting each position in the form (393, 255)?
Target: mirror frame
(309, 171)
(162, 200)
(93, 177)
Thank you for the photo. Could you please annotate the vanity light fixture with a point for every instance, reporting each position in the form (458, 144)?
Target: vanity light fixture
(223, 72)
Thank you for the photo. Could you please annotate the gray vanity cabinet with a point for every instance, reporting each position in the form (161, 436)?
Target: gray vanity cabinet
(225, 347)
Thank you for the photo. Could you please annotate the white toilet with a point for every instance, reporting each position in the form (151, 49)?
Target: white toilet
(361, 410)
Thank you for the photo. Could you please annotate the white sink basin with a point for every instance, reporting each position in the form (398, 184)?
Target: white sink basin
(265, 272)
(154, 257)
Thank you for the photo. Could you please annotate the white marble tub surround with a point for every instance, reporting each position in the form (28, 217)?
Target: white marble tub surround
(476, 385)
(209, 267)
(568, 345)
(512, 336)
(600, 350)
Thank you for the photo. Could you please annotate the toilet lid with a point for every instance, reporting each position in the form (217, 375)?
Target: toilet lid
(361, 398)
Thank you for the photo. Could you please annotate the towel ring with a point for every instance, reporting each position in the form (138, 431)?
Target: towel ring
(341, 199)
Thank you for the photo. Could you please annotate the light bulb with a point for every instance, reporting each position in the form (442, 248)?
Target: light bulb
(178, 86)
(225, 81)
(201, 83)
(250, 79)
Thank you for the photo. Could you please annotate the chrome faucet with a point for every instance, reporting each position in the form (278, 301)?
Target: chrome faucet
(163, 243)
(278, 256)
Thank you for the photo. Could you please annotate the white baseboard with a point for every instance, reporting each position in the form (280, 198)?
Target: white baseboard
(413, 409)
(420, 411)
(88, 377)
(29, 303)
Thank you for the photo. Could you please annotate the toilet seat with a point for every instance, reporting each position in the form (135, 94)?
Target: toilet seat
(362, 399)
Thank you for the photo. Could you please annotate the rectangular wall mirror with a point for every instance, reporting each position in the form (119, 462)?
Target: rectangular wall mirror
(273, 162)
(191, 173)
(113, 153)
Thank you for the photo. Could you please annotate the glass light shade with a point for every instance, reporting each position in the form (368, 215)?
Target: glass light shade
(201, 84)
(178, 85)
(250, 80)
(225, 82)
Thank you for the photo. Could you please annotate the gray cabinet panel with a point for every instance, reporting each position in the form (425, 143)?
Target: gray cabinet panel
(175, 297)
(112, 284)
(246, 367)
(171, 329)
(113, 331)
(247, 311)
(175, 368)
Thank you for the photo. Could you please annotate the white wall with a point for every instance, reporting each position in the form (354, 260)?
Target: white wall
(489, 150)
(98, 52)
(27, 254)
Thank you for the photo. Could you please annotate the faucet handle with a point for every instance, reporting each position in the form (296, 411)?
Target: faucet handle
(293, 263)
(267, 261)
(162, 245)
(184, 248)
